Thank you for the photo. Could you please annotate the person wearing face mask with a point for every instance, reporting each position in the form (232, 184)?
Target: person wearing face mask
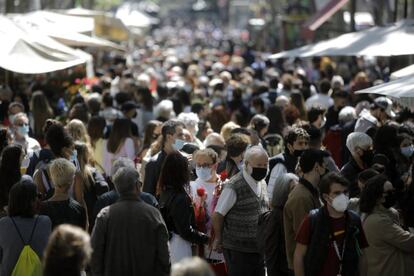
(21, 130)
(242, 201)
(330, 240)
(303, 198)
(391, 250)
(360, 146)
(296, 141)
(172, 139)
(205, 191)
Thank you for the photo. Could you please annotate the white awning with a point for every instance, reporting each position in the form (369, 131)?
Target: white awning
(33, 52)
(393, 40)
(62, 33)
(400, 90)
(404, 72)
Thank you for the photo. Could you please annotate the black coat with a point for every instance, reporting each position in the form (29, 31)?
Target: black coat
(152, 172)
(177, 210)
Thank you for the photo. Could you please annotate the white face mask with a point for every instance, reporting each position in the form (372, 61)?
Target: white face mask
(203, 173)
(340, 203)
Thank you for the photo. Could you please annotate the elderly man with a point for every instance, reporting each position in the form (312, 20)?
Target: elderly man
(360, 146)
(111, 197)
(242, 201)
(21, 128)
(130, 236)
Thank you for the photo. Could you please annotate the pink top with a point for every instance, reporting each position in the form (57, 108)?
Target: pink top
(127, 150)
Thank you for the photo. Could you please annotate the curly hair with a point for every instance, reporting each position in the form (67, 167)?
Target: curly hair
(373, 190)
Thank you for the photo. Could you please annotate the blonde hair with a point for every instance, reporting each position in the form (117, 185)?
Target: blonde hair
(226, 129)
(206, 152)
(78, 131)
(62, 173)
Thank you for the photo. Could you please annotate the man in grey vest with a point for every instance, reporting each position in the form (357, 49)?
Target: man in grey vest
(242, 201)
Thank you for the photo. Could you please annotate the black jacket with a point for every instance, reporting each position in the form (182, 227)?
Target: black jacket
(177, 210)
(320, 239)
(350, 171)
(152, 172)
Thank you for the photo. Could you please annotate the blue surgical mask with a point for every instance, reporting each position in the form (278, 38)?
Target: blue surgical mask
(179, 144)
(23, 130)
(407, 151)
(203, 173)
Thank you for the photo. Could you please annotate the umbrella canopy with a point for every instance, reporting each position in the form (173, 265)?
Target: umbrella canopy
(67, 37)
(400, 90)
(404, 72)
(67, 23)
(33, 52)
(393, 40)
(131, 16)
(106, 25)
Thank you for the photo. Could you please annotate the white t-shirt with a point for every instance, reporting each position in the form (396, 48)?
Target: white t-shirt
(127, 150)
(319, 100)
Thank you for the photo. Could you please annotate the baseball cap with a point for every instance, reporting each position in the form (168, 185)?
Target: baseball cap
(385, 104)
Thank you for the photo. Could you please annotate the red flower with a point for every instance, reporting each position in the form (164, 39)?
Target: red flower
(223, 175)
(201, 191)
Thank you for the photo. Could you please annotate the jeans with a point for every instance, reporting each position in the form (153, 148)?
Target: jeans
(242, 263)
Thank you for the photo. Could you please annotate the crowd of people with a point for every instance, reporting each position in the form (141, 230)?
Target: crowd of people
(193, 147)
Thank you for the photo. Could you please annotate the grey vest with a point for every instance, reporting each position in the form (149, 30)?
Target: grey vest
(240, 223)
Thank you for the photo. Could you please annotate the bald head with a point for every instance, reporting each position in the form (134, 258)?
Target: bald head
(256, 157)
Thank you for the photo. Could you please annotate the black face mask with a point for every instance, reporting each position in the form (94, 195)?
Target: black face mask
(367, 157)
(390, 199)
(297, 153)
(258, 173)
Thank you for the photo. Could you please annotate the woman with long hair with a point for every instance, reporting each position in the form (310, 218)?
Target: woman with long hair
(10, 174)
(391, 248)
(177, 208)
(96, 128)
(93, 183)
(22, 227)
(298, 101)
(41, 111)
(147, 104)
(277, 120)
(119, 144)
(78, 131)
(151, 134)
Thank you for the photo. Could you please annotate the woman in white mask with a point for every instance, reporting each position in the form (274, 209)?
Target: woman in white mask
(205, 191)
(21, 130)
